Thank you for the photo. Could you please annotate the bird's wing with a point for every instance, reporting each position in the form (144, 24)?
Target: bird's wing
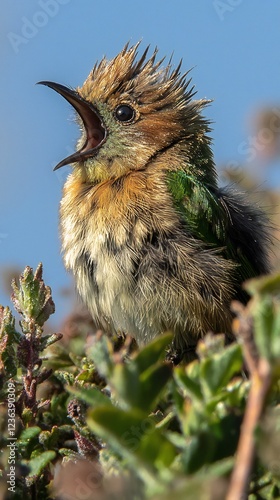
(221, 219)
(200, 209)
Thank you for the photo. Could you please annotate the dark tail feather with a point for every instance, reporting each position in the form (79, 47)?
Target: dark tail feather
(248, 234)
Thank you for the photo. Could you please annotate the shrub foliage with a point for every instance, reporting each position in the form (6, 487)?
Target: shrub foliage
(99, 418)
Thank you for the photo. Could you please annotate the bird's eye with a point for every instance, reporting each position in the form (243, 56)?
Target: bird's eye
(125, 113)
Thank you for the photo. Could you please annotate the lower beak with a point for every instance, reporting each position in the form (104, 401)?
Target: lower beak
(96, 132)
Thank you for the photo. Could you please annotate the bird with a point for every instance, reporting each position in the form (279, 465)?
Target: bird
(153, 242)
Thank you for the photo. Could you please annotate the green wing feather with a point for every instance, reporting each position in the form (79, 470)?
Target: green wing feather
(221, 219)
(200, 209)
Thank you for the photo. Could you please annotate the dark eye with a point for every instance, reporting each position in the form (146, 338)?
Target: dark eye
(124, 113)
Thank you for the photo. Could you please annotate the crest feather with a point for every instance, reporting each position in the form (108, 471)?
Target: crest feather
(146, 79)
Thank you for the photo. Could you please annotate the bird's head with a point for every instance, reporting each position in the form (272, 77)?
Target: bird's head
(132, 111)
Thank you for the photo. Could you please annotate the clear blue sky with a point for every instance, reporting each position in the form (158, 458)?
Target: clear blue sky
(233, 46)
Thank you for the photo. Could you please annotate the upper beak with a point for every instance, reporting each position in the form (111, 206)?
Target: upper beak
(95, 130)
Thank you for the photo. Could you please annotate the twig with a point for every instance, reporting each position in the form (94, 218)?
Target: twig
(260, 372)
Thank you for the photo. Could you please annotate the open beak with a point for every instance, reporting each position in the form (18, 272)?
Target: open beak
(95, 130)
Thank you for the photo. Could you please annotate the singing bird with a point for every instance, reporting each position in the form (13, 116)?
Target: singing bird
(154, 244)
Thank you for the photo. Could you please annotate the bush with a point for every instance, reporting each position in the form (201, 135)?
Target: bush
(102, 419)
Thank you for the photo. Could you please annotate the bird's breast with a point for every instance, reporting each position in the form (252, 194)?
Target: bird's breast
(103, 233)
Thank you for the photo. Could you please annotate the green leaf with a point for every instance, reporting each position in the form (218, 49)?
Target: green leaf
(38, 464)
(48, 340)
(269, 284)
(29, 433)
(123, 430)
(265, 310)
(49, 439)
(101, 354)
(189, 384)
(9, 338)
(92, 396)
(155, 449)
(140, 390)
(210, 344)
(65, 377)
(28, 440)
(218, 440)
(132, 435)
(32, 298)
(192, 457)
(140, 382)
(152, 353)
(266, 316)
(200, 485)
(70, 454)
(217, 371)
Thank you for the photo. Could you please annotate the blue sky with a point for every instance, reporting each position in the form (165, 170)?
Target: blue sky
(232, 46)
